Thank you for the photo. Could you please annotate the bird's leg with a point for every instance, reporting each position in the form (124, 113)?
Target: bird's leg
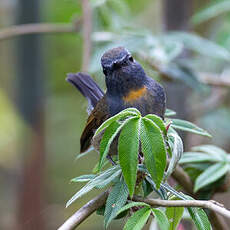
(110, 159)
(140, 158)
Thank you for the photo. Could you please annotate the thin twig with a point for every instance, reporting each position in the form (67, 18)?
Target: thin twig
(215, 80)
(209, 204)
(87, 30)
(214, 100)
(84, 212)
(221, 80)
(38, 28)
(78, 217)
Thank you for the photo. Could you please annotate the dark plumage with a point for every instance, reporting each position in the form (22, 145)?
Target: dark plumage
(127, 86)
(88, 88)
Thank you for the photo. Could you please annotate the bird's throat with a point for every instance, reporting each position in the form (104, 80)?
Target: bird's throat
(135, 94)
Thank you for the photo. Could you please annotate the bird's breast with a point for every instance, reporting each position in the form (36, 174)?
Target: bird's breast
(135, 94)
(146, 99)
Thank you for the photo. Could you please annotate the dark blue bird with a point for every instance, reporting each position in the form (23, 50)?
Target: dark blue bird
(127, 86)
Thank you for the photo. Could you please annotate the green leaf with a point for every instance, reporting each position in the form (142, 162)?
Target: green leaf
(161, 192)
(110, 133)
(176, 153)
(181, 73)
(96, 170)
(106, 181)
(173, 191)
(169, 113)
(161, 219)
(197, 168)
(174, 215)
(228, 158)
(120, 7)
(132, 112)
(210, 175)
(102, 180)
(198, 215)
(196, 157)
(200, 218)
(116, 199)
(138, 219)
(214, 151)
(83, 178)
(132, 204)
(170, 129)
(128, 149)
(158, 121)
(200, 45)
(170, 140)
(153, 148)
(84, 154)
(101, 211)
(213, 10)
(97, 3)
(147, 188)
(188, 126)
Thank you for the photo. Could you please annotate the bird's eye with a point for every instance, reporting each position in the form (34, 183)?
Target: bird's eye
(116, 65)
(131, 58)
(105, 71)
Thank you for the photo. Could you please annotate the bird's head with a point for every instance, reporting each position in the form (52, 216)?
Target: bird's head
(121, 70)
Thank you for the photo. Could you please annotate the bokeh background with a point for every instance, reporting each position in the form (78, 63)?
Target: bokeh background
(185, 44)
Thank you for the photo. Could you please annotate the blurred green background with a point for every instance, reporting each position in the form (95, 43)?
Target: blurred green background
(42, 116)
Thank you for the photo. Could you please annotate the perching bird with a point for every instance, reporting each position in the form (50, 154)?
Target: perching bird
(127, 86)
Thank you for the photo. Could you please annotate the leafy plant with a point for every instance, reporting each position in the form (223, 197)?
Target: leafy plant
(174, 215)
(219, 164)
(211, 11)
(144, 143)
(140, 217)
(198, 215)
(99, 181)
(160, 53)
(116, 200)
(189, 127)
(131, 121)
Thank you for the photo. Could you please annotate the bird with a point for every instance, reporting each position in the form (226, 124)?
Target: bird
(128, 86)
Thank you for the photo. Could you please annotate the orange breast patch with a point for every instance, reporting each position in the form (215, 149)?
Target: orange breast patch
(135, 94)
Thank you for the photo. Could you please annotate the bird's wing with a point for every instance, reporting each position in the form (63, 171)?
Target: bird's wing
(95, 119)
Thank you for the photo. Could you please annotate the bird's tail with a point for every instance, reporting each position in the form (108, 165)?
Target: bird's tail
(87, 87)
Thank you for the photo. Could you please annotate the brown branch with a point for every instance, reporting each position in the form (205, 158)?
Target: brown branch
(215, 80)
(216, 98)
(87, 30)
(184, 180)
(209, 204)
(78, 217)
(84, 212)
(38, 28)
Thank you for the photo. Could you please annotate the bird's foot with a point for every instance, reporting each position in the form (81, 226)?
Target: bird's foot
(110, 159)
